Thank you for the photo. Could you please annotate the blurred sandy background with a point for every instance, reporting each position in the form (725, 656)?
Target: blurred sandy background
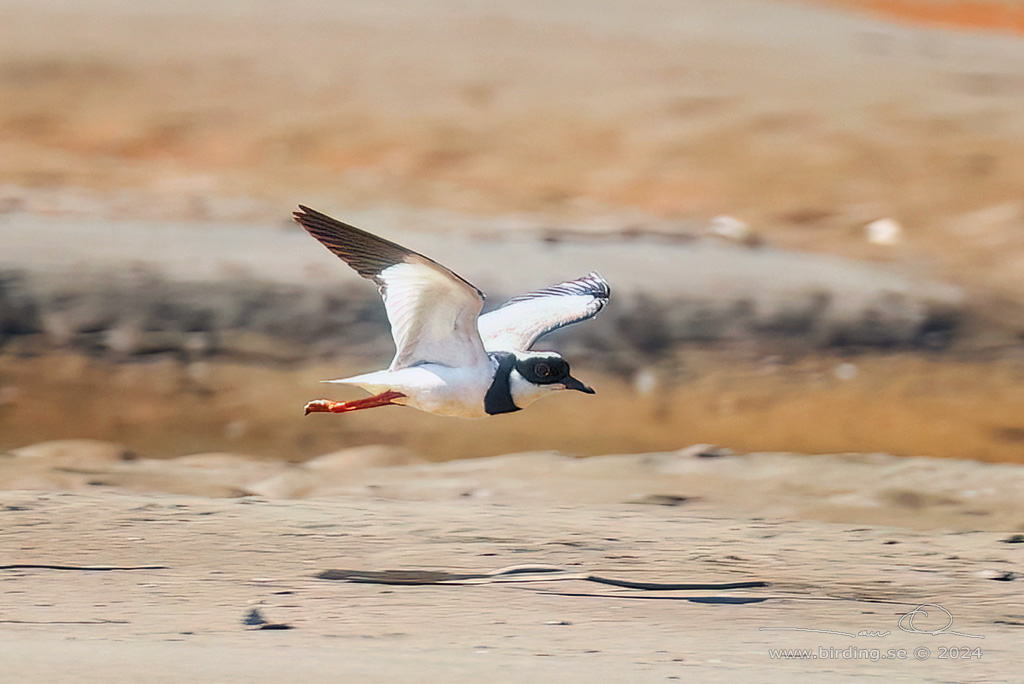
(637, 126)
(806, 123)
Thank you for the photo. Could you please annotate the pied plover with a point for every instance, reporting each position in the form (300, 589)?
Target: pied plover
(449, 359)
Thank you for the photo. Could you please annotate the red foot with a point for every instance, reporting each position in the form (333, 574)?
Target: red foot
(328, 406)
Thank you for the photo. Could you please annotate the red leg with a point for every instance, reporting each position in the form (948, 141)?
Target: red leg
(328, 406)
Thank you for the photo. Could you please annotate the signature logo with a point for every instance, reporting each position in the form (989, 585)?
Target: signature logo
(905, 623)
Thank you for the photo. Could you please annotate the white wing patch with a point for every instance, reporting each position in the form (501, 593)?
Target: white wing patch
(432, 315)
(432, 310)
(521, 321)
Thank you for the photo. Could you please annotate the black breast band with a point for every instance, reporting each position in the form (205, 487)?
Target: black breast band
(499, 395)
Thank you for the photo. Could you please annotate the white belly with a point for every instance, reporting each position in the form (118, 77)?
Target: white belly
(432, 388)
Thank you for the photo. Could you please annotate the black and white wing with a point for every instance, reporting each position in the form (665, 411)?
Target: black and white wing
(432, 311)
(521, 321)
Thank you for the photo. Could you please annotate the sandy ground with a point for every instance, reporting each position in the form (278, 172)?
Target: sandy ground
(223, 557)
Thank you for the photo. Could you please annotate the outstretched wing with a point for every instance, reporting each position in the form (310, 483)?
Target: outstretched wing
(433, 311)
(521, 321)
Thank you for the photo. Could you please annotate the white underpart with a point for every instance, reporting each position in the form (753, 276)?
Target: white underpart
(433, 388)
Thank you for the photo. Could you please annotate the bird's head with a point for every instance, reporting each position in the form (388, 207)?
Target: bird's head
(537, 374)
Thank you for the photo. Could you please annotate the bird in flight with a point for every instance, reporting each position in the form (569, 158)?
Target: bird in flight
(450, 360)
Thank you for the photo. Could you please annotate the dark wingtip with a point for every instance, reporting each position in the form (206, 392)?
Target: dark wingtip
(303, 212)
(365, 252)
(604, 289)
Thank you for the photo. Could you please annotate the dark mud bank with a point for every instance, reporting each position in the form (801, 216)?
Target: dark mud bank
(128, 289)
(137, 311)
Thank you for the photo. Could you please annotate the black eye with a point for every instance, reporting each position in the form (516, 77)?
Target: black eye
(542, 370)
